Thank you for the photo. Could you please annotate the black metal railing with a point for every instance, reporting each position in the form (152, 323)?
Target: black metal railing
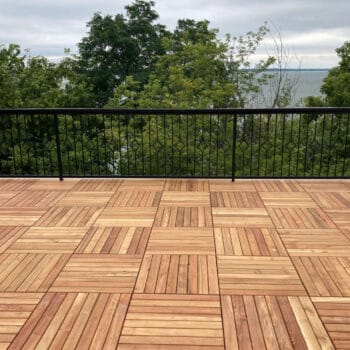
(223, 143)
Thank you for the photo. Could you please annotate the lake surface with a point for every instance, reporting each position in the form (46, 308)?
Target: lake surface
(307, 83)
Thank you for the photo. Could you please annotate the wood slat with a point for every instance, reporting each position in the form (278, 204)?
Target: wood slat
(183, 217)
(151, 321)
(181, 241)
(287, 200)
(142, 185)
(19, 216)
(126, 217)
(30, 272)
(69, 217)
(332, 200)
(5, 196)
(335, 315)
(183, 185)
(35, 199)
(178, 274)
(228, 185)
(53, 185)
(16, 185)
(75, 321)
(308, 218)
(135, 199)
(248, 241)
(236, 200)
(258, 276)
(278, 186)
(324, 186)
(233, 217)
(315, 242)
(99, 185)
(15, 309)
(102, 273)
(57, 240)
(85, 199)
(324, 276)
(8, 235)
(185, 199)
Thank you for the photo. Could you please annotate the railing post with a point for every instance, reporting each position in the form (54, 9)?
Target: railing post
(234, 136)
(58, 148)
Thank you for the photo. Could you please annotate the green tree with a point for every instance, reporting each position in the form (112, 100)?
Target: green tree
(336, 86)
(120, 46)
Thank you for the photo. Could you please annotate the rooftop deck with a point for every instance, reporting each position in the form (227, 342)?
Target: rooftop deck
(174, 264)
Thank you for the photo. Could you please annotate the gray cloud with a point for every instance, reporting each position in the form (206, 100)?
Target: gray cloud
(311, 29)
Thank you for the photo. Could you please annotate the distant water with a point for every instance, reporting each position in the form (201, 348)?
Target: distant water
(308, 83)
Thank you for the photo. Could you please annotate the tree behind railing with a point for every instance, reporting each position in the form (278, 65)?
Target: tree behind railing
(284, 143)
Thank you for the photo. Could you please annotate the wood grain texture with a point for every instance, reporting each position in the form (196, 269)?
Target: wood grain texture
(315, 242)
(181, 241)
(236, 200)
(178, 274)
(159, 321)
(308, 218)
(15, 309)
(135, 199)
(115, 240)
(98, 273)
(30, 272)
(258, 276)
(236, 217)
(183, 185)
(201, 264)
(260, 322)
(278, 186)
(248, 241)
(57, 240)
(74, 321)
(324, 276)
(126, 217)
(183, 217)
(335, 315)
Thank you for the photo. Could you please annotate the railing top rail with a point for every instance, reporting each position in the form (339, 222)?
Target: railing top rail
(176, 111)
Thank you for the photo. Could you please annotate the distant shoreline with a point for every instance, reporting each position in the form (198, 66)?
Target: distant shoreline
(300, 70)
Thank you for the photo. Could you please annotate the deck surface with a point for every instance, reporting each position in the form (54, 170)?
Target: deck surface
(174, 264)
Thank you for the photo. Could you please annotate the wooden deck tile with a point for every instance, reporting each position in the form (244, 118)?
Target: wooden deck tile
(158, 321)
(185, 199)
(183, 217)
(324, 276)
(74, 321)
(236, 200)
(16, 185)
(332, 200)
(340, 216)
(335, 315)
(181, 241)
(142, 185)
(287, 200)
(99, 273)
(29, 272)
(115, 240)
(56, 240)
(324, 186)
(228, 185)
(85, 199)
(53, 185)
(35, 199)
(248, 241)
(233, 217)
(19, 216)
(317, 242)
(8, 235)
(302, 218)
(127, 216)
(258, 276)
(69, 217)
(178, 274)
(98, 185)
(278, 186)
(135, 199)
(261, 322)
(183, 185)
(15, 309)
(6, 195)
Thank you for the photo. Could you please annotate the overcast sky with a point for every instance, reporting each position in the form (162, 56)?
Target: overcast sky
(311, 29)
